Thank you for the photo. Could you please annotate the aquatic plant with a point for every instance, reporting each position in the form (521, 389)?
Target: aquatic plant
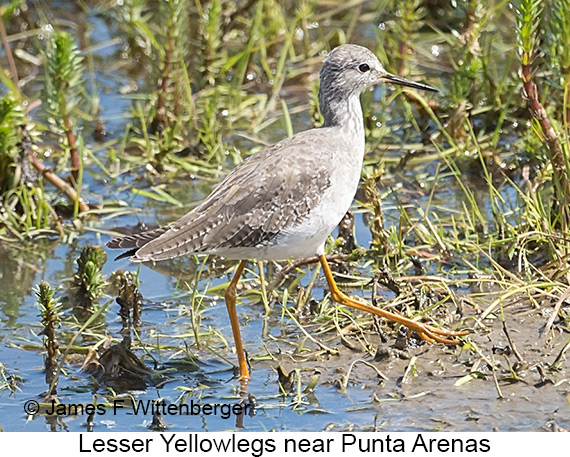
(50, 310)
(64, 84)
(88, 282)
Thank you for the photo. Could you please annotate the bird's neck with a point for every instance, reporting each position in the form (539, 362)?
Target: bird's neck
(345, 113)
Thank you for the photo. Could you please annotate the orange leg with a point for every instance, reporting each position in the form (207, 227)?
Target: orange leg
(231, 305)
(427, 332)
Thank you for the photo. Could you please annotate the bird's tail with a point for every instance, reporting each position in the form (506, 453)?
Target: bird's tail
(134, 242)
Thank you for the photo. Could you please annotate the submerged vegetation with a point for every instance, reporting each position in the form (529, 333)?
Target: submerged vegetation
(141, 106)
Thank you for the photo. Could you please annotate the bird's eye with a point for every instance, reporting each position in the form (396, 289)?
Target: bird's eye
(363, 67)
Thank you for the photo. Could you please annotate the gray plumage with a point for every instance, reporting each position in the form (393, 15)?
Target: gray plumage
(285, 200)
(260, 197)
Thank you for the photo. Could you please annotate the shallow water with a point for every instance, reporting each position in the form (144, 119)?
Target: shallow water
(423, 395)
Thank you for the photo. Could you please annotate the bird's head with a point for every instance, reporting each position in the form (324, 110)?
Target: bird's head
(349, 69)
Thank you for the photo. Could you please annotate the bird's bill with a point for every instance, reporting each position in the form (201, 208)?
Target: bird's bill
(394, 79)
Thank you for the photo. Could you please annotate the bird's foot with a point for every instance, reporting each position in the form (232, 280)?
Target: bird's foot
(425, 331)
(434, 334)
